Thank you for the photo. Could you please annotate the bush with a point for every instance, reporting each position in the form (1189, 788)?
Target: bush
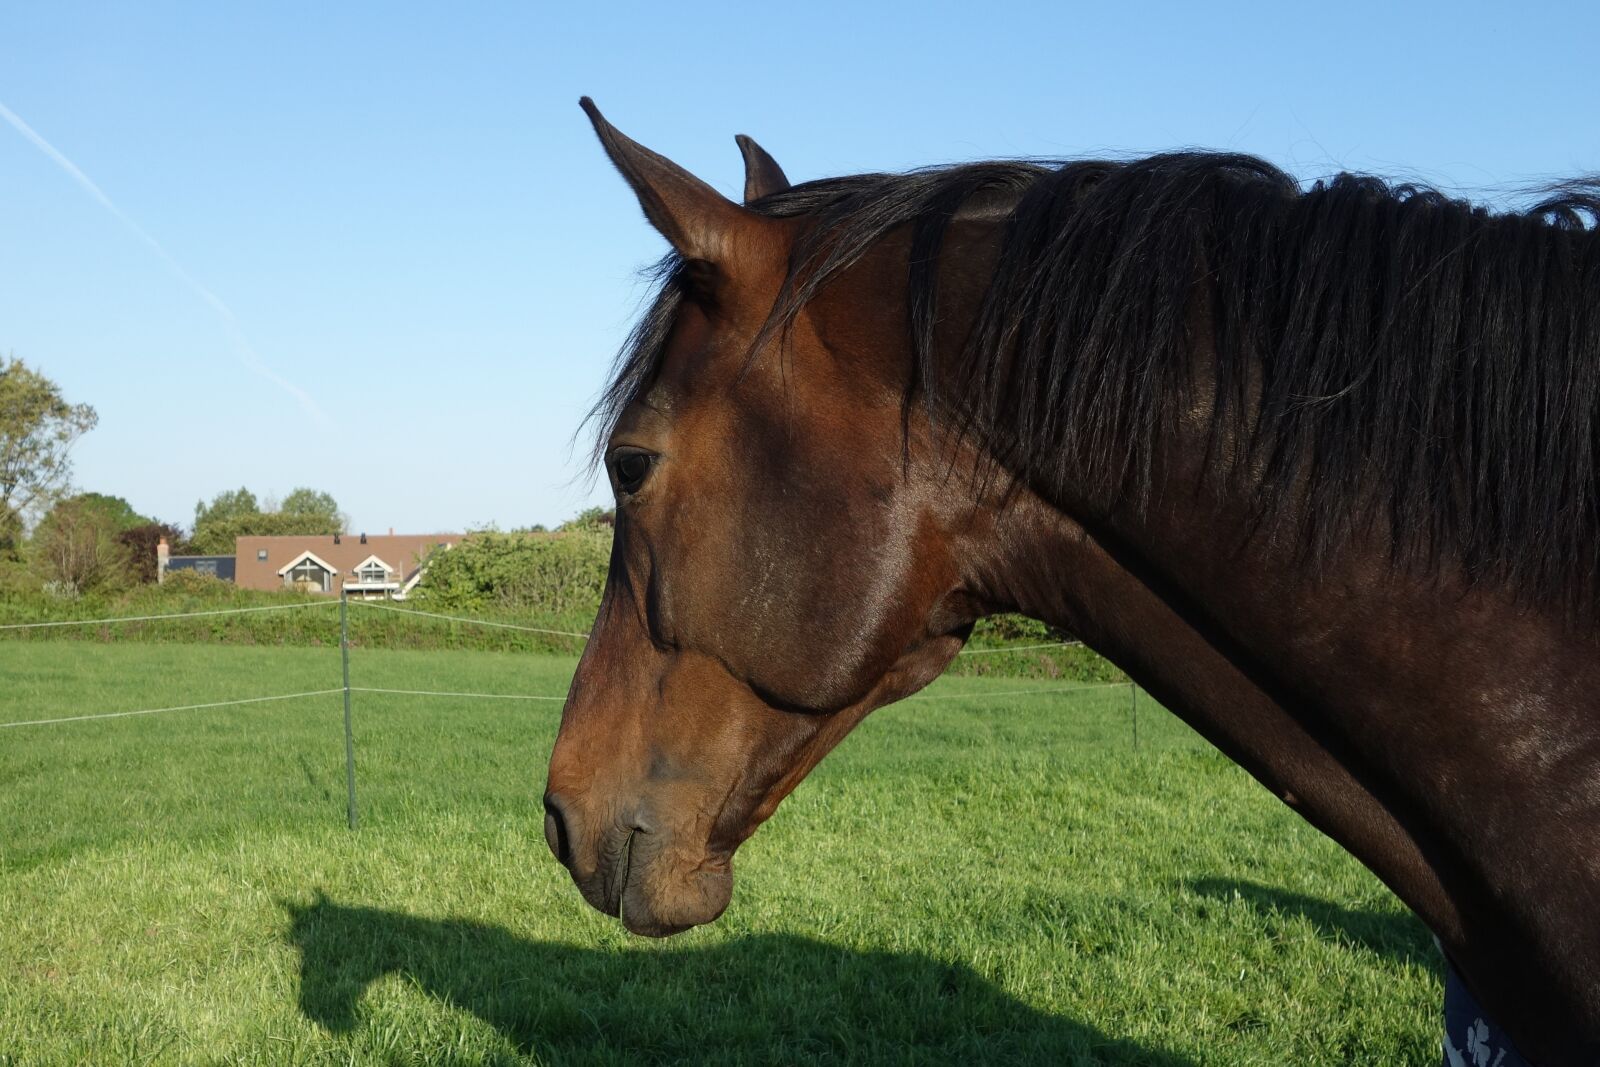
(1015, 630)
(16, 580)
(1067, 662)
(206, 587)
(558, 575)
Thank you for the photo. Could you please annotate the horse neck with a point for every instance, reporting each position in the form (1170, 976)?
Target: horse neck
(1422, 723)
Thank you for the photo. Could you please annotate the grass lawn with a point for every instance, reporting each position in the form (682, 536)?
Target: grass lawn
(993, 875)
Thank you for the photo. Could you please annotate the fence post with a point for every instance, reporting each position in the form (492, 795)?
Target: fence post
(349, 734)
(1133, 706)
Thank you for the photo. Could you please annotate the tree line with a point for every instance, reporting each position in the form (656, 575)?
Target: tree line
(72, 543)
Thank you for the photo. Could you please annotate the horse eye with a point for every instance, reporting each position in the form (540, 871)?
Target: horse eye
(631, 469)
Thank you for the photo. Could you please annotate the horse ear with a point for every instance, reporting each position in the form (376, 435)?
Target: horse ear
(696, 218)
(762, 175)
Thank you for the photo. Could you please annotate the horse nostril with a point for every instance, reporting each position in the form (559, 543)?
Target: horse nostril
(555, 830)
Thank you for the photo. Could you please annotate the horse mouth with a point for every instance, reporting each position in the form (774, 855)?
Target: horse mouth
(651, 897)
(622, 882)
(639, 920)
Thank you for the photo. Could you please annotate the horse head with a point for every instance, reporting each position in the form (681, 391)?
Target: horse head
(785, 556)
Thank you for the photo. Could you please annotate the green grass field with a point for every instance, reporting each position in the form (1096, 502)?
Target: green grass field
(979, 877)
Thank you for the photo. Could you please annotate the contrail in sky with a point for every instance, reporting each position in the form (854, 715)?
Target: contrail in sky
(241, 345)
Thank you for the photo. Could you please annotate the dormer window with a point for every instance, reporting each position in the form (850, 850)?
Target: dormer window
(372, 573)
(309, 573)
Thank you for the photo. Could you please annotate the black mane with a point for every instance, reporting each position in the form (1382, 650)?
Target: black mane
(1383, 353)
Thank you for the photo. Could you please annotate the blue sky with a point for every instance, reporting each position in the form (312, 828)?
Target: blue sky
(375, 249)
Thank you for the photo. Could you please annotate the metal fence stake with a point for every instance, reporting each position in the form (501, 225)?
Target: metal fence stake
(1133, 706)
(349, 734)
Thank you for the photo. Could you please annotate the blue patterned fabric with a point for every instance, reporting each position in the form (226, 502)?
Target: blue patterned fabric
(1471, 1038)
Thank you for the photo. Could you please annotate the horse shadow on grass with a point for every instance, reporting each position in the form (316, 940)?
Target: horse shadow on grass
(1397, 936)
(772, 998)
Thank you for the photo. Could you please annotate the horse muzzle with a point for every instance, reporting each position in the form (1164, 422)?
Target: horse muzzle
(638, 873)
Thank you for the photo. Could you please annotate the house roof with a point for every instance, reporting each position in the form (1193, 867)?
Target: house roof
(401, 553)
(302, 557)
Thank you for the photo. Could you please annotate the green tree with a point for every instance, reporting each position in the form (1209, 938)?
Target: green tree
(114, 509)
(237, 513)
(140, 543)
(10, 533)
(37, 431)
(217, 537)
(305, 501)
(75, 548)
(594, 519)
(228, 504)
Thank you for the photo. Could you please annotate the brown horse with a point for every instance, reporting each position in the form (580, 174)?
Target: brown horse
(1317, 467)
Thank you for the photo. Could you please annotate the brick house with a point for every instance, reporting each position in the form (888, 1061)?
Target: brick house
(378, 565)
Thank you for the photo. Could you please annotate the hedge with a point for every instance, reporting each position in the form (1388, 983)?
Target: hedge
(550, 581)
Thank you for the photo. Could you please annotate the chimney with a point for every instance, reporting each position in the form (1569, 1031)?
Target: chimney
(391, 531)
(363, 538)
(163, 554)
